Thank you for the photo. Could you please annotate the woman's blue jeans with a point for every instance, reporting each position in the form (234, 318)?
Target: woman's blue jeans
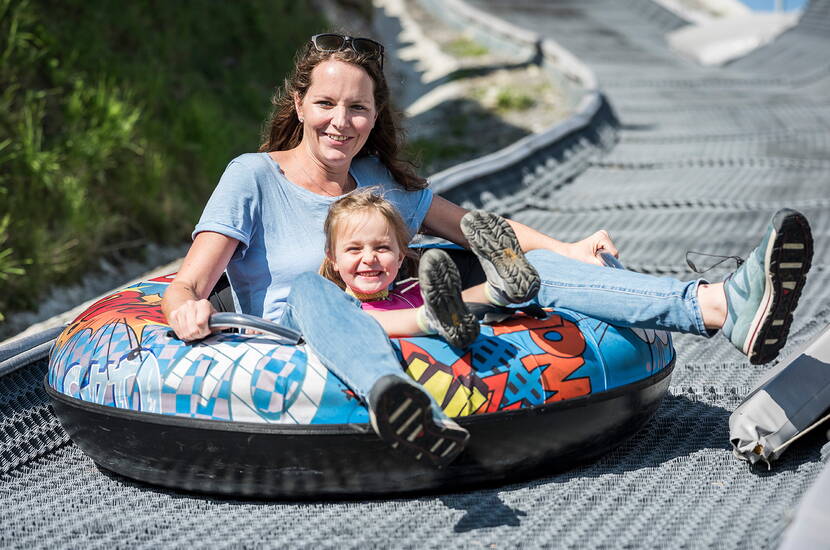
(618, 297)
(353, 346)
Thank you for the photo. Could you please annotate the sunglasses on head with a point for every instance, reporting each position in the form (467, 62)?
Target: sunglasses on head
(330, 42)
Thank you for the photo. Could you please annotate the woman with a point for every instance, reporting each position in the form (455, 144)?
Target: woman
(332, 131)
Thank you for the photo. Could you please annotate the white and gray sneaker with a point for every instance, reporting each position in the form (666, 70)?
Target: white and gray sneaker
(511, 279)
(763, 292)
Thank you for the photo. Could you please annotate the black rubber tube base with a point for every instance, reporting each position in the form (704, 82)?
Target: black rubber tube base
(350, 461)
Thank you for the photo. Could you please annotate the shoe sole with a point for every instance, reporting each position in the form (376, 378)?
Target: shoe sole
(403, 418)
(441, 289)
(788, 258)
(492, 239)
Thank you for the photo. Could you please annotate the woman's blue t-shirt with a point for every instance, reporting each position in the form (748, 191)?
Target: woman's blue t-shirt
(279, 225)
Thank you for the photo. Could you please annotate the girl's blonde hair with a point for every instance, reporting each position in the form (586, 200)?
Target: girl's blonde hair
(359, 201)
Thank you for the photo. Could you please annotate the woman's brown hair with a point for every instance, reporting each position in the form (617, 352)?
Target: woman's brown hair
(360, 201)
(284, 131)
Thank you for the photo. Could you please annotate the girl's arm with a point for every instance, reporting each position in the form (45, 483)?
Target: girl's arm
(397, 323)
(185, 301)
(443, 219)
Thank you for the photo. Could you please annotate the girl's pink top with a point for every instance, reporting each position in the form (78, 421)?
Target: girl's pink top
(405, 295)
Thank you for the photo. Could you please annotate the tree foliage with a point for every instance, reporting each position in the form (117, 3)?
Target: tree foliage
(116, 119)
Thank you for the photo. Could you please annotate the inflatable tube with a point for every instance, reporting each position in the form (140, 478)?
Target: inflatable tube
(245, 415)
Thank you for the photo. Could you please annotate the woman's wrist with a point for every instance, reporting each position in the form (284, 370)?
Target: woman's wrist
(531, 239)
(175, 297)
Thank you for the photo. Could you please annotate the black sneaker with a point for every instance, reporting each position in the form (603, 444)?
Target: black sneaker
(403, 415)
(444, 308)
(493, 241)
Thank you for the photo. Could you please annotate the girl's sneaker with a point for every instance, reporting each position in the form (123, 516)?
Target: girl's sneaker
(763, 292)
(511, 279)
(444, 310)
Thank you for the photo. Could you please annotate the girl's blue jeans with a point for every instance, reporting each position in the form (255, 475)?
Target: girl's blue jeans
(354, 347)
(346, 340)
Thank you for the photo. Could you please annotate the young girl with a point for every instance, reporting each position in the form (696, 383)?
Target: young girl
(367, 250)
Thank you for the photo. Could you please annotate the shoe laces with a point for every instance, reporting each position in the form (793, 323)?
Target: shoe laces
(738, 261)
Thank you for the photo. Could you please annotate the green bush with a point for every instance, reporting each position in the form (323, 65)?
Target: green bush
(116, 119)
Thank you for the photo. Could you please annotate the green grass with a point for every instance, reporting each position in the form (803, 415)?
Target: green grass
(507, 98)
(465, 47)
(511, 99)
(431, 152)
(117, 118)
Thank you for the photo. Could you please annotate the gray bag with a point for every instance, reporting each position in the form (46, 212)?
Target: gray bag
(793, 400)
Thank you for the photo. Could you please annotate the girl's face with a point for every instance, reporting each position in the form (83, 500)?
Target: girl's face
(365, 252)
(338, 112)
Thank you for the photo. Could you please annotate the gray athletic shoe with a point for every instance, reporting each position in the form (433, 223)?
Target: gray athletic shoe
(405, 416)
(763, 292)
(509, 274)
(444, 308)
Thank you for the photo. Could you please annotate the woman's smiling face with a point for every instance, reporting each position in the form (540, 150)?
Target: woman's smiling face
(338, 112)
(366, 253)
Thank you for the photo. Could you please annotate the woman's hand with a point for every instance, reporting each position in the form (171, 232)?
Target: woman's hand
(587, 250)
(190, 320)
(184, 303)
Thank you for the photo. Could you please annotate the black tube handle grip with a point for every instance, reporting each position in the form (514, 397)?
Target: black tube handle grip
(226, 319)
(244, 321)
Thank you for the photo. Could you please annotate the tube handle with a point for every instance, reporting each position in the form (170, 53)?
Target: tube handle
(609, 260)
(244, 321)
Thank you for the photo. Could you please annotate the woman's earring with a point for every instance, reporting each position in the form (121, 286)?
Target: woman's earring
(300, 119)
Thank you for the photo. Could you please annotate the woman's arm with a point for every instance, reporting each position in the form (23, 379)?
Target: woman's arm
(185, 302)
(443, 219)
